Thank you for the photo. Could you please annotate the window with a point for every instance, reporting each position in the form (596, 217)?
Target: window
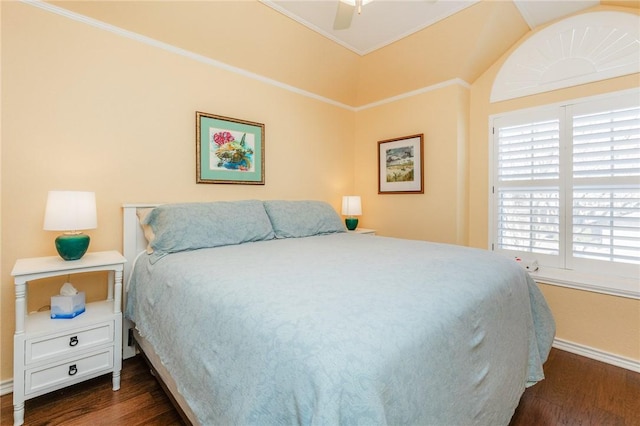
(566, 185)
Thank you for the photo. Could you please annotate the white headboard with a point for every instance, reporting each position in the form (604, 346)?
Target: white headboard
(133, 242)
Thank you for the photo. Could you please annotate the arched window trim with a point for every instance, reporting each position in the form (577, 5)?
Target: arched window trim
(581, 49)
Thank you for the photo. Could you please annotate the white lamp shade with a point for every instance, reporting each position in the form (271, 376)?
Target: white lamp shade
(351, 205)
(70, 211)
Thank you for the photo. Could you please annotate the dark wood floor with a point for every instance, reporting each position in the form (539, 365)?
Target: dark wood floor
(140, 401)
(577, 391)
(581, 391)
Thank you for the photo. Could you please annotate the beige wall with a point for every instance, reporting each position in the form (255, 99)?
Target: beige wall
(85, 109)
(440, 213)
(442, 51)
(242, 33)
(607, 323)
(6, 356)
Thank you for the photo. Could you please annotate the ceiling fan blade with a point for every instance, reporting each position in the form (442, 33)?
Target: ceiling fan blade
(344, 15)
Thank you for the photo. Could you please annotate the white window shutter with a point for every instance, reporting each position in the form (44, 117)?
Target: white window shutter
(606, 184)
(566, 185)
(527, 187)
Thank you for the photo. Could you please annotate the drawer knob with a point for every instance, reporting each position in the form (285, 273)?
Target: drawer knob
(73, 341)
(73, 370)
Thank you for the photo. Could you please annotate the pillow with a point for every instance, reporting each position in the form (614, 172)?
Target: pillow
(293, 219)
(191, 226)
(142, 214)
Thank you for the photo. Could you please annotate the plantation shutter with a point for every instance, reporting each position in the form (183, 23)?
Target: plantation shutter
(527, 188)
(606, 190)
(566, 185)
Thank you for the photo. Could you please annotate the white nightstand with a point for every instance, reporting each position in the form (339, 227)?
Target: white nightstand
(50, 354)
(363, 231)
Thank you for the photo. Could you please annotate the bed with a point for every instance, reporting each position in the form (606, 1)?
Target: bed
(269, 312)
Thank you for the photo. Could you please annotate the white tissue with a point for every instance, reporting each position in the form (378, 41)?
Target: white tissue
(68, 289)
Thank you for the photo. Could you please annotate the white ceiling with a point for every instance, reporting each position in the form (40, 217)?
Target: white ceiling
(384, 21)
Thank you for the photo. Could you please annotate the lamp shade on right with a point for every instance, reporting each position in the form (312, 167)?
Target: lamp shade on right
(351, 207)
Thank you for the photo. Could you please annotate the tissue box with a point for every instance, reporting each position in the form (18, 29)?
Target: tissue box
(67, 306)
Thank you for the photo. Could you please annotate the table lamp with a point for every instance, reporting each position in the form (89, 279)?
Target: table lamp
(71, 212)
(351, 206)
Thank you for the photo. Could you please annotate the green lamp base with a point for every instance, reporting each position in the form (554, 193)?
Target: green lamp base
(72, 246)
(351, 222)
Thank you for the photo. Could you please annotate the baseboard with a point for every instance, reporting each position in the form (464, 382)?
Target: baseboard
(6, 387)
(598, 355)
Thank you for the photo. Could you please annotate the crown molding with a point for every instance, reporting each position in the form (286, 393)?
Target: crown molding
(441, 85)
(224, 66)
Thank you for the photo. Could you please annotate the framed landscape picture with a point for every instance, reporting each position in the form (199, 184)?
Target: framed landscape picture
(400, 165)
(229, 150)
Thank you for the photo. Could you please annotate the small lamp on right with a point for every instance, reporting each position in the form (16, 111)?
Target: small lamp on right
(351, 207)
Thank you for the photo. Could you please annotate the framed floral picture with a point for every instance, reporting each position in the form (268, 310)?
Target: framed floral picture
(400, 165)
(229, 150)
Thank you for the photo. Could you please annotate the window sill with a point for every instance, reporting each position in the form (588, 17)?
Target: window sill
(611, 285)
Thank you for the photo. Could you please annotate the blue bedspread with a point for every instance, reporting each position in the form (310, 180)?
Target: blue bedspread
(344, 329)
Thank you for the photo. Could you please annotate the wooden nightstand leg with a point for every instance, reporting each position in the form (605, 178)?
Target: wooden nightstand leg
(18, 414)
(116, 380)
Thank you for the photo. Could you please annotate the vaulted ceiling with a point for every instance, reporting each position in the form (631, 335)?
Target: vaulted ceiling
(382, 22)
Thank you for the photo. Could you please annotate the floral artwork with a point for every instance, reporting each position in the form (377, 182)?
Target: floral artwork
(229, 150)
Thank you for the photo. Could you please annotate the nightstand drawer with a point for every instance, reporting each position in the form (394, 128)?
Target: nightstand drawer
(51, 346)
(73, 370)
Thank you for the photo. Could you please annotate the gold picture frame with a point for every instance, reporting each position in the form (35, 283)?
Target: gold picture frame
(229, 150)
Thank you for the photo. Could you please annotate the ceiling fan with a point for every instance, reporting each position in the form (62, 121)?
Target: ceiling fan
(345, 11)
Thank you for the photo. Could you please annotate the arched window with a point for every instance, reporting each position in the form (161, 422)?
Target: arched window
(565, 178)
(581, 49)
